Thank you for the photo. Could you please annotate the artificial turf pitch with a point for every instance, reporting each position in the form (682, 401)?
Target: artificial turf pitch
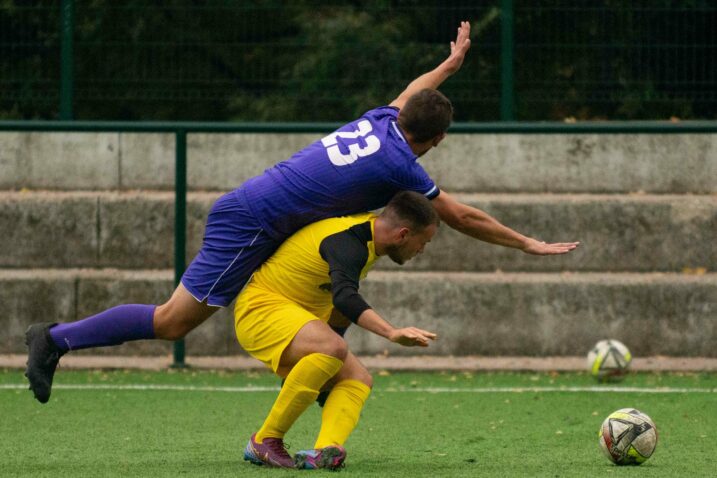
(196, 423)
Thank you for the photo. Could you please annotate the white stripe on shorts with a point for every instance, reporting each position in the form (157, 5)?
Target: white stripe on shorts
(229, 267)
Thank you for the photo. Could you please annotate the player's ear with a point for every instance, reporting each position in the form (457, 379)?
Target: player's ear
(403, 233)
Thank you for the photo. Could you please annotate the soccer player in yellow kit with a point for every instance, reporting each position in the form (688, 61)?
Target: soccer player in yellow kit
(281, 319)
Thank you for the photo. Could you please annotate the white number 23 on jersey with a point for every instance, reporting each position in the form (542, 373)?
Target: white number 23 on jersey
(356, 151)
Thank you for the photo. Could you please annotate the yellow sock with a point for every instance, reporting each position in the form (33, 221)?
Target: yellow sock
(300, 389)
(341, 412)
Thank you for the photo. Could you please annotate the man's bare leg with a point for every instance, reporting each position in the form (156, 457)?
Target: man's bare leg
(181, 314)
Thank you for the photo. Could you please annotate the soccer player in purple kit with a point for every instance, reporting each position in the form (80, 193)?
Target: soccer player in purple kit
(357, 168)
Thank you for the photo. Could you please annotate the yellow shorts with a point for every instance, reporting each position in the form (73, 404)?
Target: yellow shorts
(267, 322)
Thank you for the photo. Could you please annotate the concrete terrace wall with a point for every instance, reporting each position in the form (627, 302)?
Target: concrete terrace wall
(474, 313)
(87, 223)
(136, 229)
(532, 163)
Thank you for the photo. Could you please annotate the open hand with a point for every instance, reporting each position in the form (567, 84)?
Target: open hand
(411, 336)
(540, 248)
(459, 48)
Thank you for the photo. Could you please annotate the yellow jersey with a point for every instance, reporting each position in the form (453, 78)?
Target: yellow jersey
(319, 267)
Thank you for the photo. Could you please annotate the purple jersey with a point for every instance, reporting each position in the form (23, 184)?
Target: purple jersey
(357, 168)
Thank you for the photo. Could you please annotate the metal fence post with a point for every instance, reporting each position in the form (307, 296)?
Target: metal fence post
(67, 27)
(507, 98)
(180, 225)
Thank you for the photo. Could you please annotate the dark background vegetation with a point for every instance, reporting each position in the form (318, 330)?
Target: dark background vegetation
(305, 60)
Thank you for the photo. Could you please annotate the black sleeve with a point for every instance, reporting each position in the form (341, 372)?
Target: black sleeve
(346, 253)
(339, 330)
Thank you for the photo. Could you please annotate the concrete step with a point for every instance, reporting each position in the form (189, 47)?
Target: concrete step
(501, 314)
(135, 230)
(537, 163)
(576, 163)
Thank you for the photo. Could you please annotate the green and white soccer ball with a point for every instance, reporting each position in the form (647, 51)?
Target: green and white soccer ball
(628, 437)
(609, 360)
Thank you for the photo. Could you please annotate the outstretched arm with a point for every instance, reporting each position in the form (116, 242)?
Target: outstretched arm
(435, 77)
(480, 225)
(346, 254)
(407, 336)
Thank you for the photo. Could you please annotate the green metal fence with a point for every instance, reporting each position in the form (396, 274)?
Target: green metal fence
(322, 60)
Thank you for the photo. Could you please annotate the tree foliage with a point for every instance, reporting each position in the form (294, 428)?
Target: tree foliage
(310, 60)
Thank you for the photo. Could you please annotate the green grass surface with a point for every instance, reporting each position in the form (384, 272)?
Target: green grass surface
(405, 430)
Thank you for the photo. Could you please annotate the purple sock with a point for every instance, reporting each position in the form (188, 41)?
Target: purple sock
(111, 327)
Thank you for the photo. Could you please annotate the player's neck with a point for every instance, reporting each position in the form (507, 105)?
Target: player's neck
(380, 236)
(419, 149)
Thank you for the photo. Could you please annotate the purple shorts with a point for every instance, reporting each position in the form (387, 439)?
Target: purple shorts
(234, 246)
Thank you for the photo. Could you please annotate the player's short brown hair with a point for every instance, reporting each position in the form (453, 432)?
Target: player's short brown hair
(412, 210)
(426, 115)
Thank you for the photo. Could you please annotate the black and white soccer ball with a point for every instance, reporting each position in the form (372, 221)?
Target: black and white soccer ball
(628, 437)
(609, 360)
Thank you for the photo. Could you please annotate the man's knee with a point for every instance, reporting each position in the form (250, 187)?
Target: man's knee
(314, 337)
(335, 347)
(169, 332)
(179, 316)
(167, 325)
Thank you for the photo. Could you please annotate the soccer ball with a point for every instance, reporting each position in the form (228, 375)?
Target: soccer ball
(628, 437)
(608, 360)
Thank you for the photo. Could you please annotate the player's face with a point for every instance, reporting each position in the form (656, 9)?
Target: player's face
(411, 244)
